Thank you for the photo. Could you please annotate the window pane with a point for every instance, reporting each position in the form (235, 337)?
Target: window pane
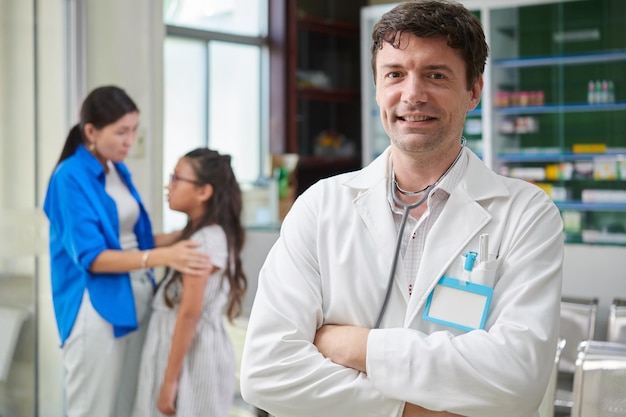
(185, 108)
(238, 17)
(235, 105)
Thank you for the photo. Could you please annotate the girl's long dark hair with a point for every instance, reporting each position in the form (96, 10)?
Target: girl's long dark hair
(223, 209)
(103, 106)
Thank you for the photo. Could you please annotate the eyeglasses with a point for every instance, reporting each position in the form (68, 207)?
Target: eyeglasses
(175, 178)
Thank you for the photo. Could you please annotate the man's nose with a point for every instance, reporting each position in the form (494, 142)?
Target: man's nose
(415, 90)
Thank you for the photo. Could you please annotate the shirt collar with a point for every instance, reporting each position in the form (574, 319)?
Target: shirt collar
(448, 183)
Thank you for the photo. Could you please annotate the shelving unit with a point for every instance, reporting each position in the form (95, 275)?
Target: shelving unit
(558, 49)
(323, 79)
(562, 108)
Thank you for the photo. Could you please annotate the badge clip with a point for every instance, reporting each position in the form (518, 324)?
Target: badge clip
(468, 265)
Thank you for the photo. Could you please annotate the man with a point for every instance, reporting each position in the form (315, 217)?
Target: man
(470, 321)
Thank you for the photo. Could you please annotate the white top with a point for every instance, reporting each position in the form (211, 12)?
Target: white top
(127, 208)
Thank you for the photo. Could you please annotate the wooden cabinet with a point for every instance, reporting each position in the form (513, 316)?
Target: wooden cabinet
(322, 103)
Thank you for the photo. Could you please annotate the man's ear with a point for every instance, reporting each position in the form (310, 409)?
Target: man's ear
(475, 93)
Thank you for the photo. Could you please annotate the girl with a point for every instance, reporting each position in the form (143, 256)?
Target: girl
(188, 362)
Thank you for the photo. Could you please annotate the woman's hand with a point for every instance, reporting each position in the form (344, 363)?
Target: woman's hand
(184, 257)
(167, 398)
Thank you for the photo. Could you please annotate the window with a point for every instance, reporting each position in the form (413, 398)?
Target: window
(237, 17)
(216, 78)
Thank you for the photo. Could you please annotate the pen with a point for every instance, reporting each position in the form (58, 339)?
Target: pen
(483, 248)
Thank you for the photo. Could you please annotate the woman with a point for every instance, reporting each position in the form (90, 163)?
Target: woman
(101, 252)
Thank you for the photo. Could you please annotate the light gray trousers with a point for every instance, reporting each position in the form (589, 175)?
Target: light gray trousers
(101, 371)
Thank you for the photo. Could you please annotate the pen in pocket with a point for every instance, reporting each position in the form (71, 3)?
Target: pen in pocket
(483, 248)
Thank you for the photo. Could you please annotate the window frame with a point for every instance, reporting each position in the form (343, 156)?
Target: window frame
(262, 42)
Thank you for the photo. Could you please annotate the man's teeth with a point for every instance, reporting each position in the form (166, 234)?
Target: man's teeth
(416, 118)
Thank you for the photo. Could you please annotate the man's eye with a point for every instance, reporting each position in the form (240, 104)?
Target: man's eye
(393, 75)
(437, 76)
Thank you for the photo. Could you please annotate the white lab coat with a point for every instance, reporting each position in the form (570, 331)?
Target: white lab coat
(330, 266)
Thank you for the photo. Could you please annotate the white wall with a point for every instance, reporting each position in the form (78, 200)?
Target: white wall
(32, 90)
(125, 47)
(258, 244)
(595, 272)
(52, 111)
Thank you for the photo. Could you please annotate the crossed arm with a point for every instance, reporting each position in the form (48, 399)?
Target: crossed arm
(347, 346)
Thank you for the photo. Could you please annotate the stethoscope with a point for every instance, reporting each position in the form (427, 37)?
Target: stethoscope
(393, 186)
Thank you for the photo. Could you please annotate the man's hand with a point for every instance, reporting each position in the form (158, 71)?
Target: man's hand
(344, 345)
(412, 410)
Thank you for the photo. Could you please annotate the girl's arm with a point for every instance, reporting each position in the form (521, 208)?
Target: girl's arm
(189, 311)
(182, 256)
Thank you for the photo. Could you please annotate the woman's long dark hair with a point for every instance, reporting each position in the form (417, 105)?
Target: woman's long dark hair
(223, 209)
(103, 106)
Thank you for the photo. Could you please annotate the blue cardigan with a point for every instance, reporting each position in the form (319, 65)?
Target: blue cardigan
(83, 223)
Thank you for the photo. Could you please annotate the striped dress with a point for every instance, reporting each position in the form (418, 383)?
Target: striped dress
(207, 381)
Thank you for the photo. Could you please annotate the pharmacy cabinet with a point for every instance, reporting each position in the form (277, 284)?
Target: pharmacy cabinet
(553, 110)
(559, 109)
(322, 87)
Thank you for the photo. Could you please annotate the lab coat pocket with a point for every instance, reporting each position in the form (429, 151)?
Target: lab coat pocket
(485, 273)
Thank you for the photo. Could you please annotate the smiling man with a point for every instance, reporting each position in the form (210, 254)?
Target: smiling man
(423, 284)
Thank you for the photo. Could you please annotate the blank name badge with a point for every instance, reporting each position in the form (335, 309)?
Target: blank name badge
(459, 304)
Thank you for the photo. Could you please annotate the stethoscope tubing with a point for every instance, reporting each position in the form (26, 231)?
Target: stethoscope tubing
(405, 214)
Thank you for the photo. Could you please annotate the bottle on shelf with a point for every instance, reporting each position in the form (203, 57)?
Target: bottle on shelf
(604, 95)
(591, 92)
(598, 92)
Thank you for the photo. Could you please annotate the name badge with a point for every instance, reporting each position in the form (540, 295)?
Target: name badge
(459, 304)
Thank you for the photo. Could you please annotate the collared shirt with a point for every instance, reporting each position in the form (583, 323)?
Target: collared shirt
(83, 223)
(416, 230)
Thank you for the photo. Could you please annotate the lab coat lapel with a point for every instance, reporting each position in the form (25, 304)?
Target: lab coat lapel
(372, 206)
(376, 214)
(446, 241)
